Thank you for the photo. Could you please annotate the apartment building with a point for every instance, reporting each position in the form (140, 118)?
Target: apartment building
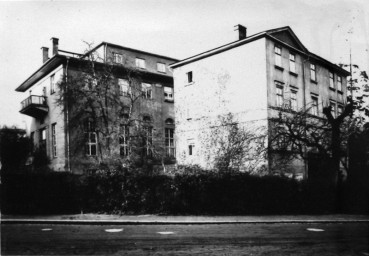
(51, 129)
(253, 78)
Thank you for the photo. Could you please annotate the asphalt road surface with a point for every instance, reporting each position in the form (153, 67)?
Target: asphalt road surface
(217, 239)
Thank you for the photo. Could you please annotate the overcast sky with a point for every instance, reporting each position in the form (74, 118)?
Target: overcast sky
(175, 28)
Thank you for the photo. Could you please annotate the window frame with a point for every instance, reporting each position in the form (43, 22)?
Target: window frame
(331, 80)
(117, 58)
(292, 62)
(333, 105)
(124, 149)
(279, 94)
(53, 140)
(161, 70)
(123, 83)
(169, 95)
(313, 72)
(189, 76)
(170, 148)
(293, 98)
(140, 63)
(339, 83)
(278, 56)
(314, 105)
(52, 84)
(90, 143)
(146, 93)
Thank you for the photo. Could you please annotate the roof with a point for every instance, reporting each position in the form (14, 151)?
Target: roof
(129, 49)
(272, 33)
(48, 66)
(58, 59)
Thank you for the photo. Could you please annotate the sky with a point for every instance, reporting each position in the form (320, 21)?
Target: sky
(174, 28)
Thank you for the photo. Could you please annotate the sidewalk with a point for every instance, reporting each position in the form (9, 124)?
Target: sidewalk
(104, 219)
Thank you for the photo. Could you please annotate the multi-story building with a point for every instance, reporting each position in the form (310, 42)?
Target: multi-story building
(252, 78)
(51, 129)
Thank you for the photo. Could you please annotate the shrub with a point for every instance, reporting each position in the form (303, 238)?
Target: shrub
(189, 192)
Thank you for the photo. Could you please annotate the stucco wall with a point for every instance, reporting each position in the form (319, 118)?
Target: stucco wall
(232, 81)
(54, 116)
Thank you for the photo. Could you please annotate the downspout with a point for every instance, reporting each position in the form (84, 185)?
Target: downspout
(304, 108)
(67, 115)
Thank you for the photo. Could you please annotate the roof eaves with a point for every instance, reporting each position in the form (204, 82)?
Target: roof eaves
(218, 50)
(136, 50)
(23, 87)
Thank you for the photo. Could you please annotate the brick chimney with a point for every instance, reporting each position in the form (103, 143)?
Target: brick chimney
(242, 31)
(45, 54)
(55, 45)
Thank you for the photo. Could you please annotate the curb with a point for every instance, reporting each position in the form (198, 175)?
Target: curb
(142, 222)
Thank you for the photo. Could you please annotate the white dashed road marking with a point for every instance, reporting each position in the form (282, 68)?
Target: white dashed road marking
(315, 229)
(114, 230)
(166, 233)
(46, 229)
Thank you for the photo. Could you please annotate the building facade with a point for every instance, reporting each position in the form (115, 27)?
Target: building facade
(253, 78)
(51, 128)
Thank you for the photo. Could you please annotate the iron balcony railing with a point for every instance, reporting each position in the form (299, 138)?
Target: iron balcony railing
(33, 100)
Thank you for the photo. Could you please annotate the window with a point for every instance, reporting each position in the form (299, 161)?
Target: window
(42, 135)
(118, 58)
(169, 142)
(292, 63)
(294, 100)
(279, 94)
(339, 110)
(160, 67)
(331, 80)
(168, 93)
(146, 91)
(42, 140)
(124, 89)
(140, 63)
(169, 121)
(333, 108)
(314, 105)
(189, 77)
(312, 72)
(278, 57)
(32, 139)
(123, 140)
(148, 141)
(191, 147)
(52, 84)
(339, 83)
(53, 139)
(90, 139)
(44, 91)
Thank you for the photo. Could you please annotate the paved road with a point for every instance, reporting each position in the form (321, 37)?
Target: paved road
(230, 239)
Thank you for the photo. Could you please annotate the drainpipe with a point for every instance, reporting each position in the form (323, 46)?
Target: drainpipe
(67, 115)
(304, 108)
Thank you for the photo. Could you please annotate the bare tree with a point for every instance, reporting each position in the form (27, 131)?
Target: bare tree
(235, 146)
(102, 100)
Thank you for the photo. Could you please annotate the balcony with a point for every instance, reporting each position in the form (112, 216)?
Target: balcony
(34, 106)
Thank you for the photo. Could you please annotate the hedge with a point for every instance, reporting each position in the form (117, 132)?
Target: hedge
(132, 193)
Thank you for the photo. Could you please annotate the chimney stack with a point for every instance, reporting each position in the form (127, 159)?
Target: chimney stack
(55, 45)
(45, 54)
(242, 31)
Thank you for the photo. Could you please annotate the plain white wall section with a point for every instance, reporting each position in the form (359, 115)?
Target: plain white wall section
(232, 81)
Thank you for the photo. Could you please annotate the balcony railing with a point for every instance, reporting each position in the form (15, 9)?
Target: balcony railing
(34, 106)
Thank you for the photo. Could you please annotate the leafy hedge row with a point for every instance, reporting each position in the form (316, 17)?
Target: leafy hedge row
(130, 193)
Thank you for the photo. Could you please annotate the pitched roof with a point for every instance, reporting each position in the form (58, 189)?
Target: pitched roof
(283, 35)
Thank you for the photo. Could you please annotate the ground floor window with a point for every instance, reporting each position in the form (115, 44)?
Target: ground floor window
(123, 140)
(90, 139)
(169, 142)
(53, 139)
